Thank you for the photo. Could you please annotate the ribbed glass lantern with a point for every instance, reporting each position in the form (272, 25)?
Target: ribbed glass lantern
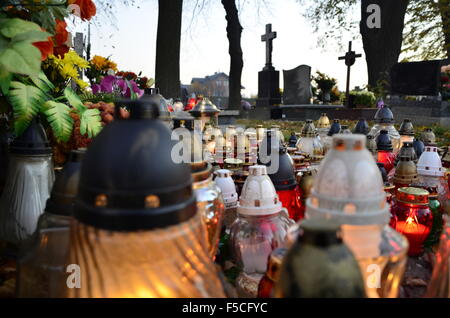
(356, 200)
(384, 120)
(137, 231)
(41, 267)
(28, 184)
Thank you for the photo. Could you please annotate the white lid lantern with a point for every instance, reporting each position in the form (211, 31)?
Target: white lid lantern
(226, 184)
(259, 196)
(429, 163)
(348, 187)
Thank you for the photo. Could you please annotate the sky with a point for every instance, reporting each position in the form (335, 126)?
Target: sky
(130, 40)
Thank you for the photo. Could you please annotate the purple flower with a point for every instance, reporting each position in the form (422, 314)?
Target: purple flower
(96, 88)
(107, 84)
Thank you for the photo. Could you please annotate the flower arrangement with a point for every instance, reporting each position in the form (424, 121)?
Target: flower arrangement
(324, 82)
(119, 86)
(99, 67)
(362, 98)
(37, 66)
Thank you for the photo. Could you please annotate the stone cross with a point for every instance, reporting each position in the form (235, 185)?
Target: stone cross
(78, 46)
(268, 38)
(350, 59)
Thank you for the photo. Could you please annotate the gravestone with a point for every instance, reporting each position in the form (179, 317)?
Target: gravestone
(416, 78)
(268, 78)
(297, 86)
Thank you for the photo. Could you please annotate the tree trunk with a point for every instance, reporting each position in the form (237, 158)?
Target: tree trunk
(383, 45)
(444, 9)
(234, 30)
(167, 70)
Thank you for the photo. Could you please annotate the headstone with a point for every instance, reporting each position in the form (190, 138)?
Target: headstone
(297, 86)
(268, 78)
(350, 59)
(416, 78)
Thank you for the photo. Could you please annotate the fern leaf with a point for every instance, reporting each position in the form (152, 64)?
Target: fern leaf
(26, 102)
(42, 82)
(59, 119)
(74, 100)
(90, 122)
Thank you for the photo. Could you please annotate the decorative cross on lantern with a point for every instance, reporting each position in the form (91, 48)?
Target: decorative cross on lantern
(350, 58)
(268, 38)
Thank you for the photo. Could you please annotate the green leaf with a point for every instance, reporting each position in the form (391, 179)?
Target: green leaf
(54, 9)
(42, 82)
(13, 27)
(26, 101)
(32, 36)
(90, 122)
(21, 58)
(5, 80)
(74, 100)
(58, 116)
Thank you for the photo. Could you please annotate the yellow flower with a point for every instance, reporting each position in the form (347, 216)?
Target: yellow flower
(103, 64)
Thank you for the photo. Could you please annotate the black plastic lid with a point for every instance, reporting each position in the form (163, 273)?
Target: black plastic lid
(383, 171)
(419, 147)
(362, 127)
(335, 127)
(293, 140)
(406, 128)
(284, 178)
(384, 116)
(384, 141)
(65, 188)
(32, 142)
(128, 179)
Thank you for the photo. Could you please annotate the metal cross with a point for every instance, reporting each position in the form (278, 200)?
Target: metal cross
(350, 59)
(268, 38)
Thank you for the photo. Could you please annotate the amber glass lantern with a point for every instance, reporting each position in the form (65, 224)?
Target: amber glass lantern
(137, 231)
(412, 217)
(385, 150)
(384, 120)
(356, 200)
(27, 186)
(405, 172)
(406, 131)
(323, 126)
(41, 266)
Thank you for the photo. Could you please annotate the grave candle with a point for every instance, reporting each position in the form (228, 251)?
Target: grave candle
(309, 143)
(206, 112)
(384, 120)
(412, 217)
(385, 150)
(137, 231)
(28, 184)
(428, 137)
(261, 225)
(406, 131)
(356, 200)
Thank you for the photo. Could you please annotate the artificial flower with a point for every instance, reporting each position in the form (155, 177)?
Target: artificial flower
(61, 50)
(87, 8)
(46, 48)
(103, 64)
(61, 34)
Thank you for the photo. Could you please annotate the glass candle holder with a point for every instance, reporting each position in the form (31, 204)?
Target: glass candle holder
(260, 226)
(356, 200)
(266, 288)
(412, 217)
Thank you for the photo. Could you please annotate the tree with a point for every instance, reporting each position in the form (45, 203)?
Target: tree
(234, 31)
(424, 30)
(382, 45)
(167, 69)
